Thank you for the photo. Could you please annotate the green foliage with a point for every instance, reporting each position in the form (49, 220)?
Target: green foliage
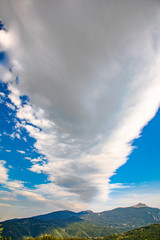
(151, 232)
(84, 229)
(1, 229)
(17, 229)
(45, 237)
(1, 237)
(4, 238)
(48, 237)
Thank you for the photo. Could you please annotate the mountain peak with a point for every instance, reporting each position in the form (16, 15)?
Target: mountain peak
(85, 212)
(140, 205)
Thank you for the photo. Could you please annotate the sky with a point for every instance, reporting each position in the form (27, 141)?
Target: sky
(79, 105)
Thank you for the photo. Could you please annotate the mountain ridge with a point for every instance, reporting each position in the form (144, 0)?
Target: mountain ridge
(67, 224)
(63, 212)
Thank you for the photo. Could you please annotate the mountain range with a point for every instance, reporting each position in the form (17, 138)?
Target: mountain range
(66, 224)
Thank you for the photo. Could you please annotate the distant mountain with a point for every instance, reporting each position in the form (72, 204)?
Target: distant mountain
(130, 217)
(62, 215)
(57, 215)
(139, 205)
(65, 224)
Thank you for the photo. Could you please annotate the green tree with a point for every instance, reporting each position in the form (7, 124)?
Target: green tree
(1, 229)
(1, 237)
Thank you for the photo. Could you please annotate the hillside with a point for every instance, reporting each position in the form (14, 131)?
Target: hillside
(151, 232)
(67, 228)
(66, 224)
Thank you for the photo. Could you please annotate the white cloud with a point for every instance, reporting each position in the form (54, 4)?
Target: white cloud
(5, 205)
(12, 185)
(7, 199)
(14, 95)
(7, 39)
(92, 73)
(10, 106)
(2, 94)
(20, 151)
(28, 158)
(17, 188)
(3, 171)
(5, 74)
(34, 116)
(31, 195)
(7, 150)
(18, 136)
(25, 139)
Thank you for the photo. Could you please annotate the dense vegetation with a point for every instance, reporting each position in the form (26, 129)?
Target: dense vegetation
(61, 229)
(151, 232)
(26, 227)
(1, 229)
(1, 237)
(5, 238)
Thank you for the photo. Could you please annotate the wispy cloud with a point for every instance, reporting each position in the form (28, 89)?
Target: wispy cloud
(2, 94)
(7, 150)
(10, 106)
(5, 205)
(4, 172)
(20, 151)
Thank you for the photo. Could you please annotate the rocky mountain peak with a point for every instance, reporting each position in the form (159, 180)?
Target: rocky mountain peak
(140, 205)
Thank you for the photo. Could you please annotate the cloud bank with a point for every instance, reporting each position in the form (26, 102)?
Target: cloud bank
(91, 71)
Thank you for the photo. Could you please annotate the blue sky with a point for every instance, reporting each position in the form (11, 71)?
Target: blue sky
(141, 172)
(17, 147)
(79, 106)
(143, 164)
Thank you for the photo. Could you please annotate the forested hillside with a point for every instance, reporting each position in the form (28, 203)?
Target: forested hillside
(151, 232)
